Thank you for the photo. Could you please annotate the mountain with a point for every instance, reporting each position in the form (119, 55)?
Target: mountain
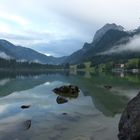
(10, 51)
(105, 39)
(98, 35)
(100, 50)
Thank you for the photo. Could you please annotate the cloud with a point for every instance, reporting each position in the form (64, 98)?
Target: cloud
(4, 55)
(30, 23)
(133, 45)
(4, 28)
(33, 38)
(13, 18)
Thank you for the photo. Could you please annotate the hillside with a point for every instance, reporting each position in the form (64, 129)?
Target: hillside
(106, 45)
(10, 51)
(106, 39)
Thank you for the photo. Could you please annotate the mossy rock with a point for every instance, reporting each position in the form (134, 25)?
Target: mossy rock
(69, 91)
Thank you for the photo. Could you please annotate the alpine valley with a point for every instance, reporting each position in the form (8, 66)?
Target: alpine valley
(110, 43)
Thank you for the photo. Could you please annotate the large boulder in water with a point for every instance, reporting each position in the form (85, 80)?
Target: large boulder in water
(129, 125)
(67, 91)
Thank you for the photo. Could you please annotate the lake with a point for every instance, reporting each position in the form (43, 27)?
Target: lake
(93, 115)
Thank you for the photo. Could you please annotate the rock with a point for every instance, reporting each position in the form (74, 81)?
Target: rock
(61, 100)
(129, 125)
(67, 91)
(25, 106)
(108, 86)
(27, 124)
(64, 113)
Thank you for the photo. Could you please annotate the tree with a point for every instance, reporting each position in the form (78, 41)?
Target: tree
(81, 66)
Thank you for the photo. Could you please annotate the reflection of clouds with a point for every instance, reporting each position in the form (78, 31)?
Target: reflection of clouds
(4, 81)
(47, 116)
(47, 83)
(129, 93)
(36, 77)
(13, 118)
(13, 126)
(42, 97)
(8, 109)
(3, 108)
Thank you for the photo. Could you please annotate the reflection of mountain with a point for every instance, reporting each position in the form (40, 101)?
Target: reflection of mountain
(110, 102)
(20, 84)
(107, 102)
(19, 81)
(9, 50)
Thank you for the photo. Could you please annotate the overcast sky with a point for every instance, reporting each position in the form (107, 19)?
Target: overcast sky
(59, 27)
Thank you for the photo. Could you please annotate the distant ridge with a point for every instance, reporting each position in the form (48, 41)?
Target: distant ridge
(10, 51)
(105, 39)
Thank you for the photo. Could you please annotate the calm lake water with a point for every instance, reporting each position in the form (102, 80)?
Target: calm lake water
(93, 115)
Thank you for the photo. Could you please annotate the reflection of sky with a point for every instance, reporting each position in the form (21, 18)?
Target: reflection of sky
(43, 96)
(4, 81)
(3, 108)
(129, 93)
(46, 115)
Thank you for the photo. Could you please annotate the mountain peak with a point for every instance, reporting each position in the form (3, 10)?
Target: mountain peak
(106, 28)
(6, 43)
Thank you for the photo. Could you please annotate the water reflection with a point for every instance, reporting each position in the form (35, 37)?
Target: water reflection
(95, 111)
(61, 100)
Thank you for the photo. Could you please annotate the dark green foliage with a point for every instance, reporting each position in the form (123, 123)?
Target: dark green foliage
(81, 66)
(133, 64)
(13, 64)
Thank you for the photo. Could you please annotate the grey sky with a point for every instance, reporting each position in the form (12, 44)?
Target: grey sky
(59, 27)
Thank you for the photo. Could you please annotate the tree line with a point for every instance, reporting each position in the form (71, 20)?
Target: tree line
(13, 64)
(107, 66)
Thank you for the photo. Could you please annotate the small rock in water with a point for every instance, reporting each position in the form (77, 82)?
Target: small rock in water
(70, 91)
(27, 124)
(61, 100)
(129, 125)
(64, 113)
(108, 86)
(25, 106)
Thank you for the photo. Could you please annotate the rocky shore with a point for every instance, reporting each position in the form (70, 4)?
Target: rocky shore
(129, 125)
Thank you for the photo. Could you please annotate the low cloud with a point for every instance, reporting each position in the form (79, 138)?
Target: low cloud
(133, 45)
(4, 55)
(13, 18)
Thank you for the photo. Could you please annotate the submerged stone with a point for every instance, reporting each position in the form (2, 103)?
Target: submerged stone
(27, 124)
(70, 91)
(129, 125)
(64, 113)
(108, 86)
